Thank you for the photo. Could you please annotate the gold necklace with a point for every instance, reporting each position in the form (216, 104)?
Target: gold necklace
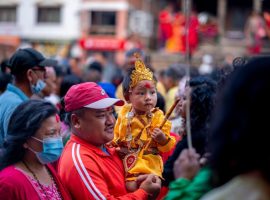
(130, 115)
(35, 177)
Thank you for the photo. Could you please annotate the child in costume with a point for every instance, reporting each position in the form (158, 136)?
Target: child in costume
(137, 130)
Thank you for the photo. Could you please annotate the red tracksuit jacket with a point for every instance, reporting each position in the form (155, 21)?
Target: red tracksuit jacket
(89, 173)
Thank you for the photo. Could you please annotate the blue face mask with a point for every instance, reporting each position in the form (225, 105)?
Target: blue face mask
(38, 87)
(52, 149)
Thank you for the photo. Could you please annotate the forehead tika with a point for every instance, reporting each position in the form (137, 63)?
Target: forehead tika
(146, 85)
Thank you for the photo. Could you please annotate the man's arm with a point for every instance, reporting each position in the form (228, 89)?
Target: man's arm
(104, 179)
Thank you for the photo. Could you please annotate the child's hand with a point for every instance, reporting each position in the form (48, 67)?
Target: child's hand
(159, 137)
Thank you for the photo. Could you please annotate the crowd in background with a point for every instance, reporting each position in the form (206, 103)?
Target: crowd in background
(228, 106)
(50, 80)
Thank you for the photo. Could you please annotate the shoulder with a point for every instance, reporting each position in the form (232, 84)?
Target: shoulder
(74, 162)
(5, 95)
(9, 172)
(124, 110)
(157, 111)
(12, 177)
(76, 154)
(158, 117)
(9, 101)
(10, 95)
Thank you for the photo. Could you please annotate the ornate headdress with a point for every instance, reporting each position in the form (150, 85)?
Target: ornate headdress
(140, 73)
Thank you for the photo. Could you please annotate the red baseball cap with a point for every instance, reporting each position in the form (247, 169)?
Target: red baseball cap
(88, 95)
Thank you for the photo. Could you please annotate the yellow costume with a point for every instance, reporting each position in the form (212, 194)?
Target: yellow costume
(133, 132)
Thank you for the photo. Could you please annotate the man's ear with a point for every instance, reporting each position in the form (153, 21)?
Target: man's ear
(75, 121)
(29, 75)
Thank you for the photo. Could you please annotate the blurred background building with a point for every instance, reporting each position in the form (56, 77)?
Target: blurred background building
(49, 23)
(115, 26)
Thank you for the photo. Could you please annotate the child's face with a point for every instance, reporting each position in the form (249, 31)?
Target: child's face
(143, 96)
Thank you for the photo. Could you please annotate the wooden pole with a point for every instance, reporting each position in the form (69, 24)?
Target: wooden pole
(188, 62)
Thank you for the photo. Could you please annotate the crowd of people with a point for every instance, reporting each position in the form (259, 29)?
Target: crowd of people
(257, 29)
(171, 30)
(109, 133)
(176, 29)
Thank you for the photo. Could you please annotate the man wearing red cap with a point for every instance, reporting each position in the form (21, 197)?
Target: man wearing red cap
(88, 168)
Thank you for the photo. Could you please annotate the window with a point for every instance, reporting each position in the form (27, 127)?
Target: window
(8, 14)
(49, 14)
(103, 22)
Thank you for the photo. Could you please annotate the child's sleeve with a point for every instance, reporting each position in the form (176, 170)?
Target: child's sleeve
(170, 139)
(158, 119)
(120, 125)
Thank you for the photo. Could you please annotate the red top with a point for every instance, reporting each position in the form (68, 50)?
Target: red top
(89, 173)
(14, 184)
(165, 23)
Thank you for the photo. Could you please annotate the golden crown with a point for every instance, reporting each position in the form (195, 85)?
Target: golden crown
(140, 72)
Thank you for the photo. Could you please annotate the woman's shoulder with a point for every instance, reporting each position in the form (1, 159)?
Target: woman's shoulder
(14, 184)
(11, 177)
(9, 171)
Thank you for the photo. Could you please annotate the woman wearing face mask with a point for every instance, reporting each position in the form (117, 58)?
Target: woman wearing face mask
(33, 141)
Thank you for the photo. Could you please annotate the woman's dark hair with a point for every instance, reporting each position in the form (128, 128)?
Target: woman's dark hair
(203, 96)
(203, 92)
(24, 123)
(221, 75)
(126, 83)
(239, 141)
